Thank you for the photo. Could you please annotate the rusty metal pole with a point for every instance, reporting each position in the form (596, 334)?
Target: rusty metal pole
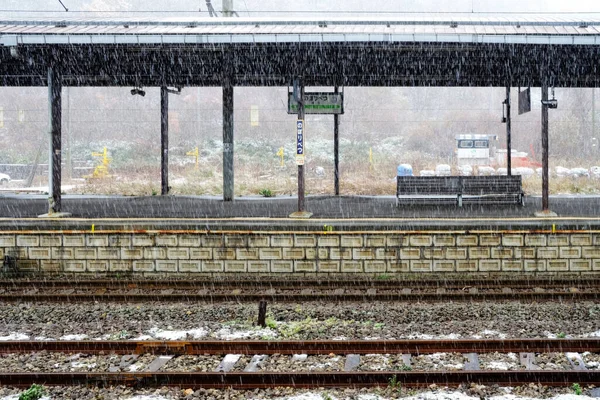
(54, 123)
(262, 313)
(545, 206)
(336, 150)
(164, 140)
(508, 127)
(301, 167)
(300, 149)
(228, 190)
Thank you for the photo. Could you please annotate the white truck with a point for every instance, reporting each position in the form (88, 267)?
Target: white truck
(475, 149)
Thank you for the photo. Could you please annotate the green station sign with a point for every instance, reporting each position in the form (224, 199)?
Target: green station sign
(318, 103)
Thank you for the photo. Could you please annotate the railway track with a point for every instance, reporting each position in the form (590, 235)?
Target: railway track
(382, 282)
(254, 376)
(298, 290)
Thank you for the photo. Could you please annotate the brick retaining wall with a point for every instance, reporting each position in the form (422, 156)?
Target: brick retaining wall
(343, 252)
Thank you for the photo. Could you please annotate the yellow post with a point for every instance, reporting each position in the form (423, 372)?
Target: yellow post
(105, 159)
(280, 154)
(101, 171)
(194, 153)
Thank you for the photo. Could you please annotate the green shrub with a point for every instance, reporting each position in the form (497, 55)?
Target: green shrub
(266, 193)
(35, 392)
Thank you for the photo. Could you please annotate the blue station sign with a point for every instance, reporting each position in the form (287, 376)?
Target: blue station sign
(300, 142)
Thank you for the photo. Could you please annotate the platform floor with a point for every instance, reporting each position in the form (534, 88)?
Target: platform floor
(13, 205)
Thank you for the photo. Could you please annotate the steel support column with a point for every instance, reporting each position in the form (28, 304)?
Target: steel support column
(164, 141)
(227, 10)
(508, 127)
(545, 206)
(228, 140)
(336, 150)
(54, 125)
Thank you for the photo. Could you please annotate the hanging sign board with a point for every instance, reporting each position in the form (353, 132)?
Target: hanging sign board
(524, 101)
(318, 103)
(300, 142)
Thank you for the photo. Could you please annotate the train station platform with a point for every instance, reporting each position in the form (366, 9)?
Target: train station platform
(348, 235)
(13, 205)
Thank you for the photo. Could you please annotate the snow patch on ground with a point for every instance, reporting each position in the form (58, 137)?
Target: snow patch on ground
(498, 365)
(306, 396)
(177, 335)
(74, 337)
(594, 334)
(228, 334)
(80, 364)
(143, 337)
(133, 368)
(437, 395)
(451, 336)
(15, 336)
(443, 395)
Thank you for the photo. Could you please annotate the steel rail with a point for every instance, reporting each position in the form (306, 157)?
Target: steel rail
(312, 379)
(323, 347)
(280, 283)
(302, 297)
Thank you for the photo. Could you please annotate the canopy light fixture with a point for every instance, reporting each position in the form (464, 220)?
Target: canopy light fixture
(552, 103)
(138, 91)
(176, 90)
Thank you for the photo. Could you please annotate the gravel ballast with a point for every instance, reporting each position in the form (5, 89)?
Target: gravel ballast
(466, 392)
(174, 321)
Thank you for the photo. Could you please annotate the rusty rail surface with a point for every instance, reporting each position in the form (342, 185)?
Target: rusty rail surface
(301, 297)
(383, 283)
(312, 379)
(312, 347)
(253, 380)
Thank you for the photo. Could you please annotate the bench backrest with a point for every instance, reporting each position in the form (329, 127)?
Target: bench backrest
(407, 185)
(455, 185)
(499, 184)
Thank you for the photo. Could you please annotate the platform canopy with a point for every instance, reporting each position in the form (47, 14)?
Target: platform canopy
(406, 50)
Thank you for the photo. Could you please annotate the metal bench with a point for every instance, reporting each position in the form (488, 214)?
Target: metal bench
(499, 189)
